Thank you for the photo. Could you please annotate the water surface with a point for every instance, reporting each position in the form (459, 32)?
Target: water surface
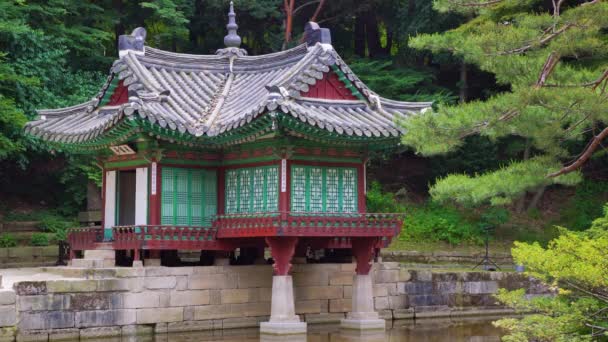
(431, 330)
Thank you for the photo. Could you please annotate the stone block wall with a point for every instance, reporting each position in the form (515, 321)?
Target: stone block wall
(127, 301)
(24, 256)
(445, 257)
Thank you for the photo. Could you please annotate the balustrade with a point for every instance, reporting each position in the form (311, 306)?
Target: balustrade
(346, 225)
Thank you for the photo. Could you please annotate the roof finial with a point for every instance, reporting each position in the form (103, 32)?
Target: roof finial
(232, 39)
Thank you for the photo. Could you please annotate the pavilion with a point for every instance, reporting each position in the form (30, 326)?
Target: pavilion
(221, 152)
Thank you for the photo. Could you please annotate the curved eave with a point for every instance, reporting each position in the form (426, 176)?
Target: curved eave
(131, 127)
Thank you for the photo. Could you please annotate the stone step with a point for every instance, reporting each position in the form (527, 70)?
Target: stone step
(92, 263)
(19, 226)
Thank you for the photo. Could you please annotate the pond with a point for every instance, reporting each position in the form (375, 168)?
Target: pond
(431, 330)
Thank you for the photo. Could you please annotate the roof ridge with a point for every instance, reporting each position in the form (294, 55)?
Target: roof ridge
(215, 109)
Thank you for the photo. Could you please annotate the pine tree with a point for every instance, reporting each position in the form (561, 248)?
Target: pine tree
(554, 60)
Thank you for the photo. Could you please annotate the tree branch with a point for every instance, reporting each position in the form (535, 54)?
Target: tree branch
(594, 143)
(299, 8)
(475, 4)
(541, 42)
(318, 10)
(593, 84)
(548, 67)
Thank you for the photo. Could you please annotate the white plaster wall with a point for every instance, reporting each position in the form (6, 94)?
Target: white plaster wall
(141, 195)
(110, 200)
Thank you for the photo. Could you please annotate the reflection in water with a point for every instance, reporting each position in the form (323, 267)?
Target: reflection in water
(428, 330)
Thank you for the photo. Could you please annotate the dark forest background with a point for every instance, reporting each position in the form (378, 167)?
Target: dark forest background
(57, 53)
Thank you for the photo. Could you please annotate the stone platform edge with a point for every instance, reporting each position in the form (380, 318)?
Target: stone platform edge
(129, 301)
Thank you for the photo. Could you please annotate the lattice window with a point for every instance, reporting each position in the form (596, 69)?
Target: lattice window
(167, 196)
(181, 197)
(250, 190)
(315, 189)
(258, 190)
(349, 190)
(323, 189)
(332, 190)
(245, 191)
(188, 197)
(298, 189)
(272, 189)
(210, 193)
(231, 191)
(196, 198)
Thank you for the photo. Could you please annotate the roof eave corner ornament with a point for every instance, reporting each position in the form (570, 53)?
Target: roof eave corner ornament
(232, 40)
(133, 42)
(314, 34)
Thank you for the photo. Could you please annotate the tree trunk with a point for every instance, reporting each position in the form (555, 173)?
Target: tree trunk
(359, 36)
(288, 8)
(411, 7)
(389, 43)
(537, 197)
(193, 32)
(463, 83)
(119, 28)
(372, 35)
(522, 201)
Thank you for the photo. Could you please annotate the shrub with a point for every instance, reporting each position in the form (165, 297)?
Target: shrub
(7, 240)
(434, 222)
(585, 205)
(39, 239)
(431, 221)
(56, 224)
(381, 202)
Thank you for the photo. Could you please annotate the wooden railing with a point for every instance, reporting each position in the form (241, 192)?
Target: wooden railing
(162, 237)
(308, 224)
(332, 225)
(83, 238)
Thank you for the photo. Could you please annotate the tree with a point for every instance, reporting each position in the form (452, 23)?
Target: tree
(554, 60)
(576, 265)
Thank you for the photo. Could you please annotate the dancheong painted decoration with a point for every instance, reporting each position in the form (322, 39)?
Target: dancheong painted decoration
(231, 152)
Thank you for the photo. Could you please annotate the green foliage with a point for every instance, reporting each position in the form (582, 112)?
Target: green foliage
(400, 83)
(559, 319)
(56, 224)
(585, 206)
(7, 240)
(501, 186)
(514, 40)
(433, 222)
(577, 264)
(39, 239)
(378, 201)
(52, 223)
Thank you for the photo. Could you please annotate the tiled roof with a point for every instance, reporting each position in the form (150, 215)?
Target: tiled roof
(208, 95)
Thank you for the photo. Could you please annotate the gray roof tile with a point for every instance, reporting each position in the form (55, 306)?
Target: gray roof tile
(212, 94)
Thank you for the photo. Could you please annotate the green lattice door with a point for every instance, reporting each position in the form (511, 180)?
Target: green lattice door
(252, 190)
(317, 189)
(188, 196)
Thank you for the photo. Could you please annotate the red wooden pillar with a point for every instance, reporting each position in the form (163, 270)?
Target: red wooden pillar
(363, 249)
(282, 250)
(361, 188)
(103, 198)
(154, 204)
(155, 176)
(221, 190)
(284, 183)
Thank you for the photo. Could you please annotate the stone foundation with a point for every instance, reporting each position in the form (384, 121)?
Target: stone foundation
(26, 256)
(128, 301)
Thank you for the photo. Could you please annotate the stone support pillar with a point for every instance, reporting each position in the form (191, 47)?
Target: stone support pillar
(283, 319)
(153, 258)
(363, 316)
